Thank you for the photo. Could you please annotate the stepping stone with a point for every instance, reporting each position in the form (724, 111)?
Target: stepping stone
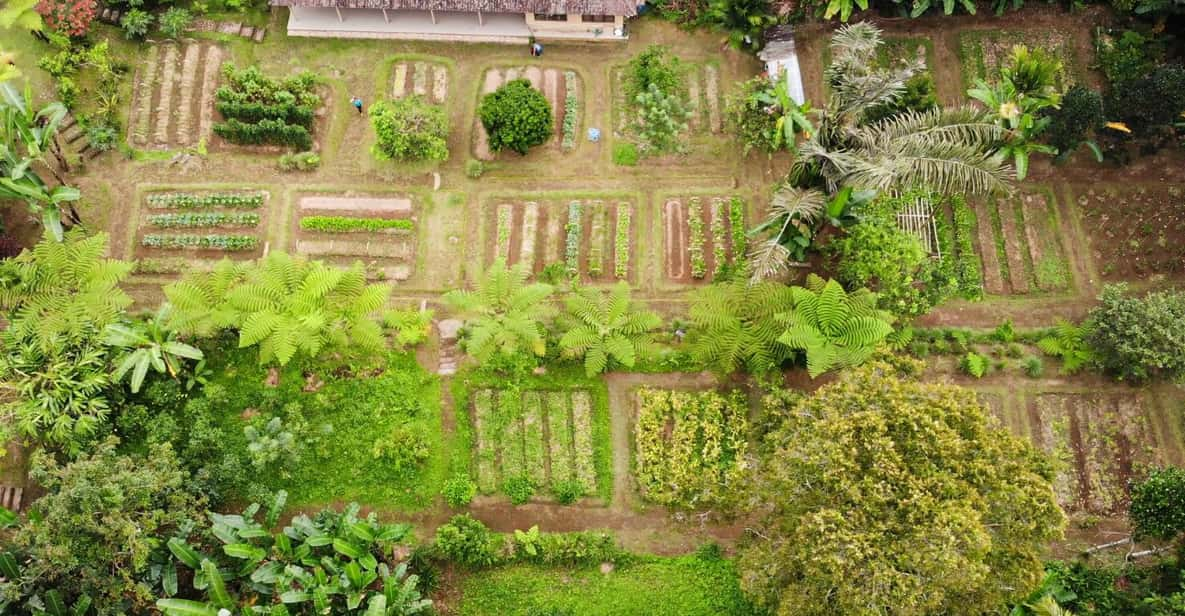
(449, 328)
(229, 27)
(247, 31)
(10, 497)
(258, 37)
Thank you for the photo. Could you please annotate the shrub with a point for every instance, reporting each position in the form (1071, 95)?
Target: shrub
(250, 111)
(346, 224)
(404, 449)
(1139, 338)
(567, 491)
(459, 490)
(175, 21)
(136, 23)
(1071, 125)
(654, 66)
(974, 364)
(262, 110)
(265, 132)
(102, 136)
(519, 489)
(68, 17)
(751, 110)
(1033, 367)
(1127, 57)
(409, 129)
(474, 168)
(625, 154)
(516, 117)
(1158, 504)
(299, 161)
(1149, 105)
(467, 542)
(662, 121)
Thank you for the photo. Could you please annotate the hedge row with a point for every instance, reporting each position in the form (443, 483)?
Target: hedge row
(255, 112)
(214, 241)
(346, 224)
(204, 219)
(189, 200)
(274, 132)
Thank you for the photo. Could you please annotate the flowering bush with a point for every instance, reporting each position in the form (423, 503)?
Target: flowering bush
(69, 17)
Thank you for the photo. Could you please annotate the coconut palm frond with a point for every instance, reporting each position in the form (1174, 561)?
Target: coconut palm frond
(947, 168)
(795, 203)
(767, 260)
(855, 42)
(931, 128)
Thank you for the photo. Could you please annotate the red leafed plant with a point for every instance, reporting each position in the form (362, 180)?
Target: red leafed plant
(70, 17)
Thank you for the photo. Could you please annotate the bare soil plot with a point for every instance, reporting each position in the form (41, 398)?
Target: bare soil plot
(1135, 232)
(563, 91)
(389, 253)
(590, 237)
(1020, 242)
(425, 78)
(1101, 439)
(180, 230)
(543, 436)
(702, 236)
(173, 95)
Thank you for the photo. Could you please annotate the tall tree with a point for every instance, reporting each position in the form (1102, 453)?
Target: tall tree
(886, 495)
(606, 328)
(284, 305)
(506, 316)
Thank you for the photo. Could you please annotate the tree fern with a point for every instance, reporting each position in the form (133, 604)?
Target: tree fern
(1068, 342)
(734, 325)
(605, 327)
(833, 328)
(287, 306)
(505, 315)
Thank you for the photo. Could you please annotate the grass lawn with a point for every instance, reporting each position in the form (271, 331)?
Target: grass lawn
(683, 586)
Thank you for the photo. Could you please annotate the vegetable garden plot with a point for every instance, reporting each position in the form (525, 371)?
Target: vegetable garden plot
(208, 225)
(690, 446)
(380, 231)
(591, 237)
(424, 78)
(982, 52)
(702, 236)
(173, 95)
(563, 90)
(1135, 233)
(543, 436)
(704, 98)
(1020, 243)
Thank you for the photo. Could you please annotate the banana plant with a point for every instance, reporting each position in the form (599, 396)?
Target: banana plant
(793, 118)
(1019, 116)
(29, 136)
(150, 344)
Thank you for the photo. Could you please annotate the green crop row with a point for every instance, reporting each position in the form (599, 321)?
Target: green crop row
(349, 224)
(204, 219)
(192, 201)
(212, 242)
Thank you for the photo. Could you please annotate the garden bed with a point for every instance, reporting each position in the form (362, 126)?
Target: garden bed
(1020, 243)
(982, 52)
(202, 225)
(702, 236)
(593, 238)
(544, 436)
(415, 77)
(380, 231)
(563, 90)
(704, 97)
(1135, 233)
(173, 95)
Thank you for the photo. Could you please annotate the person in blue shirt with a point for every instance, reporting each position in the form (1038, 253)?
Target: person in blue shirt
(357, 103)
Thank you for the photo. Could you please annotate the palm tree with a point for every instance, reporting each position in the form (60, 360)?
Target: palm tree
(735, 325)
(505, 314)
(149, 344)
(286, 305)
(744, 20)
(27, 137)
(792, 216)
(949, 150)
(607, 327)
(834, 329)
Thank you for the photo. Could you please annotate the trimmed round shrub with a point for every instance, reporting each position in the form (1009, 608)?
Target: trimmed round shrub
(409, 129)
(516, 117)
(1158, 504)
(467, 542)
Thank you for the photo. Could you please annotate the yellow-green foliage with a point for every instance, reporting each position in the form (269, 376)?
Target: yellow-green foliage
(883, 492)
(691, 446)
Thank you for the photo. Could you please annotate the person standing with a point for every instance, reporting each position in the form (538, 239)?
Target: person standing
(357, 103)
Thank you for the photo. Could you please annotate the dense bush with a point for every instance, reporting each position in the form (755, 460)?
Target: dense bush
(136, 23)
(265, 132)
(69, 17)
(262, 110)
(250, 112)
(657, 66)
(1149, 104)
(467, 542)
(661, 122)
(516, 117)
(175, 21)
(459, 491)
(1158, 504)
(1139, 338)
(409, 129)
(752, 112)
(1074, 123)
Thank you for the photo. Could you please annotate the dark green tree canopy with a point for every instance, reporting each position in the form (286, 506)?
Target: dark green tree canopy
(516, 117)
